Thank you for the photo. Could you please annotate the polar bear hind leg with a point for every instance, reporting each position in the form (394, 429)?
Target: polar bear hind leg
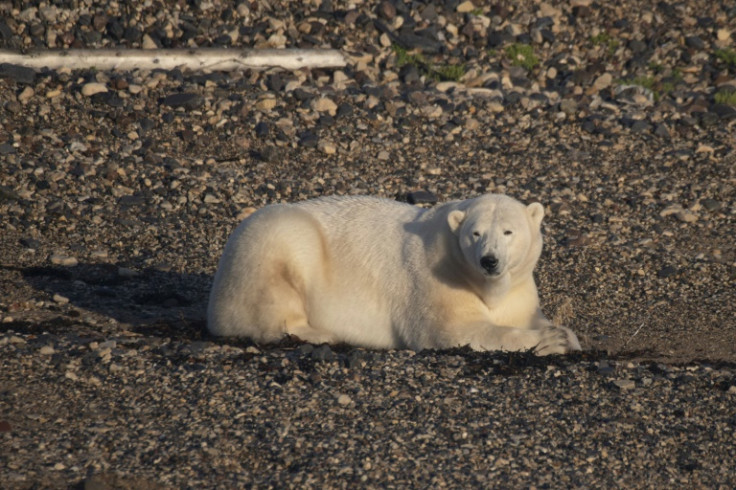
(260, 290)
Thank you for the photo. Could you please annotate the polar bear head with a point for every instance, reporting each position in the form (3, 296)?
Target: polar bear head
(499, 237)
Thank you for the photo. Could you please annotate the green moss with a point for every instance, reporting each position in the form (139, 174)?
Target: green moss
(605, 39)
(435, 72)
(522, 55)
(726, 55)
(727, 97)
(403, 57)
(477, 11)
(449, 72)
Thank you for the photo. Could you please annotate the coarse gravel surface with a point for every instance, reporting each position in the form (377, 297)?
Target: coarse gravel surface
(119, 189)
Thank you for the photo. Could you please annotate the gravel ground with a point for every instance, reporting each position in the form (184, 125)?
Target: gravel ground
(119, 189)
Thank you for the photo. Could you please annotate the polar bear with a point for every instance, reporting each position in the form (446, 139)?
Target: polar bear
(383, 274)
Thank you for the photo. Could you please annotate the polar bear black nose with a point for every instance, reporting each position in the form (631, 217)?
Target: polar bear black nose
(489, 263)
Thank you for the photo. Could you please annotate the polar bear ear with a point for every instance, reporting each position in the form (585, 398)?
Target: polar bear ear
(455, 219)
(536, 212)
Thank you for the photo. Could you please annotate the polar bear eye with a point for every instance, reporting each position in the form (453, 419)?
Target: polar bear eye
(476, 234)
(508, 232)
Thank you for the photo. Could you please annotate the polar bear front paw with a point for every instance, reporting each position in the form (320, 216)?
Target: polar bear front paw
(556, 340)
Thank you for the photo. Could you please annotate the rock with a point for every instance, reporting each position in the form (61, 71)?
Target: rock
(568, 106)
(465, 7)
(694, 42)
(46, 350)
(327, 147)
(625, 384)
(92, 88)
(662, 131)
(188, 101)
(262, 129)
(308, 139)
(687, 216)
(602, 82)
(343, 399)
(58, 258)
(421, 197)
(324, 104)
(31, 243)
(266, 103)
(387, 10)
(62, 300)
(640, 127)
(666, 271)
(19, 74)
(26, 95)
(711, 204)
(323, 353)
(148, 42)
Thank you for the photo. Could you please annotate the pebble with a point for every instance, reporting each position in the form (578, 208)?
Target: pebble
(26, 94)
(92, 88)
(189, 101)
(465, 7)
(62, 300)
(343, 399)
(625, 384)
(266, 103)
(603, 82)
(324, 104)
(58, 258)
(46, 350)
(327, 147)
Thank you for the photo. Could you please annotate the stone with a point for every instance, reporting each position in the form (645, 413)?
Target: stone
(266, 103)
(324, 104)
(465, 7)
(62, 300)
(344, 399)
(625, 384)
(185, 100)
(421, 197)
(327, 147)
(58, 258)
(602, 82)
(92, 88)
(26, 94)
(19, 74)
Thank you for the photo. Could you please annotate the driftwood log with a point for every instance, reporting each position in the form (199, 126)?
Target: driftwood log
(195, 59)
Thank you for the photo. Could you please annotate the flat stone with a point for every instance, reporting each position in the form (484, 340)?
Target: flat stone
(58, 258)
(421, 197)
(327, 147)
(20, 74)
(46, 350)
(185, 100)
(602, 82)
(625, 384)
(344, 399)
(92, 88)
(465, 7)
(62, 300)
(324, 104)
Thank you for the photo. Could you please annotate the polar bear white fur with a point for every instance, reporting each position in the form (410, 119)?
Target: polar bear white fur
(378, 273)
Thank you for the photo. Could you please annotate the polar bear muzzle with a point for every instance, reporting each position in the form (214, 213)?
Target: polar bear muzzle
(489, 263)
